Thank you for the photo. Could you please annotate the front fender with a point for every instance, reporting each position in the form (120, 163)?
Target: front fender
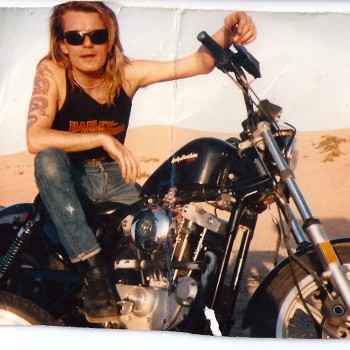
(257, 298)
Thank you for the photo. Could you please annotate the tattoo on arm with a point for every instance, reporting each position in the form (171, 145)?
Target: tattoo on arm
(39, 101)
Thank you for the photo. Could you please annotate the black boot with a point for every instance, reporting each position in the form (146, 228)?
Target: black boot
(99, 302)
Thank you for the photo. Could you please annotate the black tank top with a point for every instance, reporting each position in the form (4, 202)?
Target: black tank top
(80, 113)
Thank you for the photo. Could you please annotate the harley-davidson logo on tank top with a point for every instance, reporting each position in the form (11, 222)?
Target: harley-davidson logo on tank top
(80, 113)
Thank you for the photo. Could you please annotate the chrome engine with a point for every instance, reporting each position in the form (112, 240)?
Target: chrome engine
(170, 251)
(155, 307)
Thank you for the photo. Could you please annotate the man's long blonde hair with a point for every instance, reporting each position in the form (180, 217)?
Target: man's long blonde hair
(116, 60)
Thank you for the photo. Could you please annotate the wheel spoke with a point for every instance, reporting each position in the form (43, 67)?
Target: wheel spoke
(295, 320)
(315, 312)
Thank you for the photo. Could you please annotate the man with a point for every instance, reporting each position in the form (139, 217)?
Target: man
(77, 122)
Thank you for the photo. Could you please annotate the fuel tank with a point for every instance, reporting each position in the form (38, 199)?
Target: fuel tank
(202, 164)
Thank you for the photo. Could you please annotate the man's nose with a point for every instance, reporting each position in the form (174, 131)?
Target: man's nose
(87, 41)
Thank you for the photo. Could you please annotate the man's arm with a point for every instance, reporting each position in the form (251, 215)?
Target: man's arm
(142, 73)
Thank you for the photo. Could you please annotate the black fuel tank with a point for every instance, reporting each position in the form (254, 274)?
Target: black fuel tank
(201, 163)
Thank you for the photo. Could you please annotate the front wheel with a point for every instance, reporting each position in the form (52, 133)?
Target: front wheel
(16, 311)
(282, 314)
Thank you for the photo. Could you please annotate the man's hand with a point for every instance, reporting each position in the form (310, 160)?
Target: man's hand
(128, 164)
(245, 28)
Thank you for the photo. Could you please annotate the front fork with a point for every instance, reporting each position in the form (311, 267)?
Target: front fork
(333, 269)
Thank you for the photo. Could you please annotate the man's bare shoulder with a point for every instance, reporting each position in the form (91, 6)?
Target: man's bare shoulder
(50, 68)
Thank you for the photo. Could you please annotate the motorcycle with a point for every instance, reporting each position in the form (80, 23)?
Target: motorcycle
(170, 252)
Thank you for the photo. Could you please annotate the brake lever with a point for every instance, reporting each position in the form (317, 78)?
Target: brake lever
(247, 60)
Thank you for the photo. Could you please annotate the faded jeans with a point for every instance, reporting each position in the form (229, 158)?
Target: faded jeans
(64, 187)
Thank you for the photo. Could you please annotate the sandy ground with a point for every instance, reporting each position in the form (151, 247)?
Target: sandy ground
(322, 174)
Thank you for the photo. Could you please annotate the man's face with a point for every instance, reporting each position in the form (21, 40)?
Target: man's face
(87, 58)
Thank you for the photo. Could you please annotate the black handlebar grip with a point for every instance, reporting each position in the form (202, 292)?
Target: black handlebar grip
(216, 50)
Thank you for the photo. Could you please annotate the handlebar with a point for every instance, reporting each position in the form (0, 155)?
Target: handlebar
(228, 61)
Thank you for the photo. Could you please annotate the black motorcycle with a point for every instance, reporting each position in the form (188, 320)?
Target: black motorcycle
(170, 253)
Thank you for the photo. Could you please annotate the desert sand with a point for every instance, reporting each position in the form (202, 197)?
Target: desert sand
(322, 174)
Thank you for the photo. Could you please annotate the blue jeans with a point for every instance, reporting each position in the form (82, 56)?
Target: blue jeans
(64, 187)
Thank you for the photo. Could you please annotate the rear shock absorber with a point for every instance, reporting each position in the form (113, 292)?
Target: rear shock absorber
(15, 249)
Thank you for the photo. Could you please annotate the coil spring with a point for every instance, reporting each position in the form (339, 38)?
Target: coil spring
(15, 250)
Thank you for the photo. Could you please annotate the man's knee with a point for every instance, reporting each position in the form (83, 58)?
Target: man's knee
(49, 162)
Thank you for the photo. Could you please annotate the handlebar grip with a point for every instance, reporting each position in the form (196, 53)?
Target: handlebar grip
(216, 50)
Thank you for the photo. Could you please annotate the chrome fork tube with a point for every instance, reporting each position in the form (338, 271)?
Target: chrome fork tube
(334, 270)
(286, 173)
(297, 230)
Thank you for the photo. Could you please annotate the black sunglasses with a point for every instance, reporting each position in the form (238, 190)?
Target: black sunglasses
(97, 37)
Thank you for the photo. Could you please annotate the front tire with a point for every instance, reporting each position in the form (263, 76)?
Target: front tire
(17, 311)
(281, 313)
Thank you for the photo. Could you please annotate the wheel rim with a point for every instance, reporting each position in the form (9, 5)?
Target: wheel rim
(8, 318)
(294, 321)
